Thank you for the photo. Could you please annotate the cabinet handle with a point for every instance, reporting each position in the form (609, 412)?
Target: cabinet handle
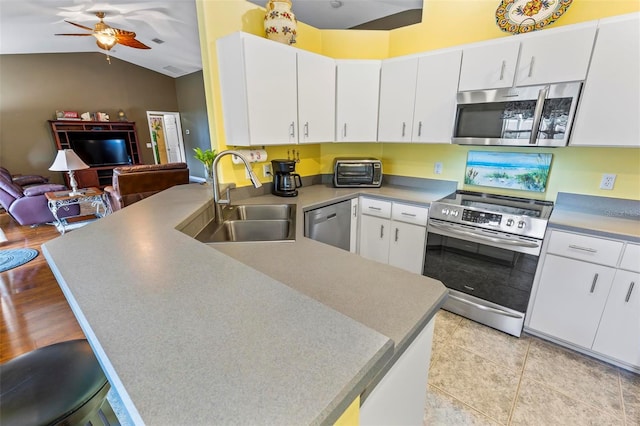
(408, 214)
(306, 129)
(419, 128)
(588, 249)
(381, 231)
(593, 284)
(404, 126)
(344, 131)
(355, 211)
(504, 64)
(374, 208)
(533, 59)
(626, 299)
(397, 234)
(292, 129)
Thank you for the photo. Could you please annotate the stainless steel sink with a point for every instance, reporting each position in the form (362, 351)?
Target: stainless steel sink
(249, 222)
(259, 212)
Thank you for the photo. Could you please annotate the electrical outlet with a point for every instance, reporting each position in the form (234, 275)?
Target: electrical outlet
(607, 182)
(437, 168)
(266, 170)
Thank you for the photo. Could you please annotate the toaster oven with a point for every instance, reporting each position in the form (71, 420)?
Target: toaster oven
(357, 172)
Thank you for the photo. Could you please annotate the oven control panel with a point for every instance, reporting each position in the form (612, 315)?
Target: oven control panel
(514, 224)
(481, 217)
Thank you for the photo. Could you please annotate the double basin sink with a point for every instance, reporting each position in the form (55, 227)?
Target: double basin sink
(252, 222)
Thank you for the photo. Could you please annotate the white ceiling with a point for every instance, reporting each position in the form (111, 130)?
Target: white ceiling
(28, 26)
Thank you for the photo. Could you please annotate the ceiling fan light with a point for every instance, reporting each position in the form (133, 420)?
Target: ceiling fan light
(106, 39)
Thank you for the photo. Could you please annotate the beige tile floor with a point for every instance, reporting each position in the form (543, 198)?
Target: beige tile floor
(480, 376)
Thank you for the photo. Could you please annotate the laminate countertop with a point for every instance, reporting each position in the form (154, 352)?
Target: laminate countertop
(599, 216)
(237, 333)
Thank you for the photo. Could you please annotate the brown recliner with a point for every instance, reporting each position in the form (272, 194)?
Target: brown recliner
(134, 183)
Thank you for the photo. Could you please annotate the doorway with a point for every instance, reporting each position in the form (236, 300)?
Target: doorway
(166, 137)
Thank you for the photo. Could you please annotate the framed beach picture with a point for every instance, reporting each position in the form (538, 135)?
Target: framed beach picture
(508, 170)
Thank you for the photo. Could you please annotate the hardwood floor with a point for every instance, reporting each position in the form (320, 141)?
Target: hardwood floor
(34, 312)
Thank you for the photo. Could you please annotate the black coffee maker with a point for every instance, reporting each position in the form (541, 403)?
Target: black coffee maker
(285, 181)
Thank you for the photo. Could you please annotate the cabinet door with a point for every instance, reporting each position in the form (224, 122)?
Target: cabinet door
(353, 240)
(557, 56)
(619, 331)
(570, 299)
(374, 238)
(316, 98)
(489, 66)
(357, 88)
(397, 95)
(258, 90)
(436, 89)
(407, 246)
(271, 92)
(610, 103)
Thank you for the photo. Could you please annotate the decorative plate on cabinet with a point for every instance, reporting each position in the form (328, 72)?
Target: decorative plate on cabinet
(523, 16)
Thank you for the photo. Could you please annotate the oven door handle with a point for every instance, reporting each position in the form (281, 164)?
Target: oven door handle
(518, 243)
(485, 308)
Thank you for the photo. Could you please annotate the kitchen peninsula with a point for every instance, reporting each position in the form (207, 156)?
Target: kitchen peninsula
(245, 333)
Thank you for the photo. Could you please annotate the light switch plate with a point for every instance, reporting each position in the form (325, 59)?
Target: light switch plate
(607, 182)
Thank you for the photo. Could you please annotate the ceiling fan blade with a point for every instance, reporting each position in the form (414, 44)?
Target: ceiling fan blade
(128, 38)
(81, 35)
(79, 26)
(132, 42)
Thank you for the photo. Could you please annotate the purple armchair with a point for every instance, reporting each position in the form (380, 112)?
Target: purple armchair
(23, 198)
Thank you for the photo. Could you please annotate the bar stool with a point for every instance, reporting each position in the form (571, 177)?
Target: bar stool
(57, 384)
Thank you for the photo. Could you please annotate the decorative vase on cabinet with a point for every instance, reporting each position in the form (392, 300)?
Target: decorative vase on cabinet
(279, 21)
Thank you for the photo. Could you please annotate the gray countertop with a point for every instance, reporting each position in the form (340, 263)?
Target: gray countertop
(600, 216)
(190, 333)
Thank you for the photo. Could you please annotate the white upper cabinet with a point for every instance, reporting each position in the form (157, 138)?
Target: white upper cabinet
(610, 104)
(357, 89)
(491, 65)
(556, 55)
(397, 99)
(549, 56)
(258, 88)
(316, 97)
(435, 104)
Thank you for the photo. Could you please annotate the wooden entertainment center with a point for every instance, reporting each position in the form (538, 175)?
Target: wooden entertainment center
(66, 132)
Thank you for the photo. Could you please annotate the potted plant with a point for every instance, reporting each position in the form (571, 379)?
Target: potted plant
(206, 157)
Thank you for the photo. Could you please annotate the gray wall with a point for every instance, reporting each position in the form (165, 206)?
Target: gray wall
(192, 105)
(33, 87)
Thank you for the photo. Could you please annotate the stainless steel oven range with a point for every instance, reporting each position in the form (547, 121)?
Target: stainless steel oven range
(485, 249)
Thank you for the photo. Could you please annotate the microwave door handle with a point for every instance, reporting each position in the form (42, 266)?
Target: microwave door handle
(486, 238)
(537, 115)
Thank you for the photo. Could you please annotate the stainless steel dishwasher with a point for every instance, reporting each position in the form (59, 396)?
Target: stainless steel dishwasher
(330, 224)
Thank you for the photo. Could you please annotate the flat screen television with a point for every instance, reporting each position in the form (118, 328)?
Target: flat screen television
(101, 152)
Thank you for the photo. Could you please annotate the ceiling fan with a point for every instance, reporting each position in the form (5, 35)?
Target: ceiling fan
(107, 36)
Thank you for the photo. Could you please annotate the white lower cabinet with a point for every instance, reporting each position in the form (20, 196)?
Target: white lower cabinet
(570, 299)
(374, 238)
(393, 233)
(399, 398)
(587, 295)
(619, 331)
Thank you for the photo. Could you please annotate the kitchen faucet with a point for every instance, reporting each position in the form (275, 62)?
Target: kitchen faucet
(216, 184)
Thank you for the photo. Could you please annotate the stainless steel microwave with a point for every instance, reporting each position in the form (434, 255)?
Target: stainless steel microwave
(357, 172)
(518, 116)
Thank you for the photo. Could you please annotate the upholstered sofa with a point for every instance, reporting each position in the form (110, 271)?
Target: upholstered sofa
(133, 183)
(23, 198)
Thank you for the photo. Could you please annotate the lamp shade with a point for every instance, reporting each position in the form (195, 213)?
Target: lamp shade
(67, 160)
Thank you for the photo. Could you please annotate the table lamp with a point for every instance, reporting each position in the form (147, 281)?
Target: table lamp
(68, 161)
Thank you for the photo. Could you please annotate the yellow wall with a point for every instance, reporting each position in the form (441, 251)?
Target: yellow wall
(445, 23)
